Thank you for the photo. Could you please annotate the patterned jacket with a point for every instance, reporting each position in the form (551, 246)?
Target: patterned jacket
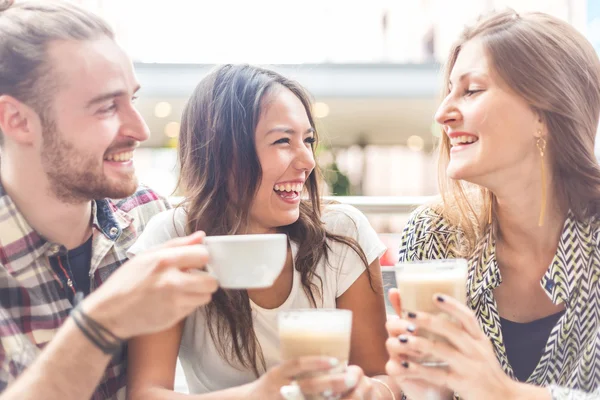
(570, 363)
(33, 304)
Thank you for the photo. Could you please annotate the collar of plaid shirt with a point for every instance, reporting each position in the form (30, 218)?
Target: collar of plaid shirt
(33, 304)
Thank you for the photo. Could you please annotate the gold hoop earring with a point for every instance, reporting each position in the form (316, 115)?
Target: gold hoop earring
(541, 145)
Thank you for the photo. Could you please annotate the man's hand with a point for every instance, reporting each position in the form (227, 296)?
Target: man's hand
(154, 290)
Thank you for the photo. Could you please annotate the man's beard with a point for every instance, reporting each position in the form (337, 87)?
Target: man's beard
(75, 179)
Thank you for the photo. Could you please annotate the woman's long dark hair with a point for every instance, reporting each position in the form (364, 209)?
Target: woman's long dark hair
(217, 153)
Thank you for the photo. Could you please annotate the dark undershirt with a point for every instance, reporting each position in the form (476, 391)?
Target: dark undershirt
(76, 263)
(525, 343)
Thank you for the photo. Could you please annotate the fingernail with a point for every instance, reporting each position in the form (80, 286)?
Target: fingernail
(404, 364)
(412, 315)
(411, 328)
(350, 381)
(334, 362)
(403, 339)
(440, 299)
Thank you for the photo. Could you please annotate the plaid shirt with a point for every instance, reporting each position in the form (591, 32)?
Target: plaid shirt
(33, 302)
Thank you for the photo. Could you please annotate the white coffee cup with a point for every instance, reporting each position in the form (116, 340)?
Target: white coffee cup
(246, 261)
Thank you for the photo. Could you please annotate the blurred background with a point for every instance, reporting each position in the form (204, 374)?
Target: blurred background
(373, 68)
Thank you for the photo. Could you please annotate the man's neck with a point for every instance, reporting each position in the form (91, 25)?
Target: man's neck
(68, 224)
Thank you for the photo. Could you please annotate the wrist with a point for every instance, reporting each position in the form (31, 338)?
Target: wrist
(96, 333)
(105, 312)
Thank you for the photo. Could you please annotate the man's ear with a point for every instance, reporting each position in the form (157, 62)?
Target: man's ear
(19, 122)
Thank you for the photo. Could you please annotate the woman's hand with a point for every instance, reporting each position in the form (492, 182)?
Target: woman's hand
(270, 384)
(351, 384)
(473, 370)
(412, 388)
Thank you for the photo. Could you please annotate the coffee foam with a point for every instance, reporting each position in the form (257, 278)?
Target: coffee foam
(322, 322)
(427, 276)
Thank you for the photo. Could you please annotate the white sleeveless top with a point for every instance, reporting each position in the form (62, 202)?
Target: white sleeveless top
(204, 369)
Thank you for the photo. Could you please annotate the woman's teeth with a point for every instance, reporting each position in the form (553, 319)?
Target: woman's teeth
(120, 157)
(288, 187)
(455, 141)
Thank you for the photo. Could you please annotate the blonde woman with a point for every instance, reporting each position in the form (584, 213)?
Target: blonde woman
(521, 202)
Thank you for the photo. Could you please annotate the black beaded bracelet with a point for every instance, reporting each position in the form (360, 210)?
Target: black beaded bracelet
(100, 336)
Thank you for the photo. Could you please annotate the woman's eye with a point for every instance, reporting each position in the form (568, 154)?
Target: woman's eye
(282, 140)
(472, 92)
(310, 140)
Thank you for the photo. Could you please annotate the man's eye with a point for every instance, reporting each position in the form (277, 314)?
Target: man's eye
(108, 109)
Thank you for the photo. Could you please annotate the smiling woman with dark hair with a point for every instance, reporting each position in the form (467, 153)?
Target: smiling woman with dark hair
(247, 166)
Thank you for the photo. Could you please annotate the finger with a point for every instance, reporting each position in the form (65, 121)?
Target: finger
(397, 349)
(446, 329)
(425, 347)
(362, 391)
(194, 238)
(176, 286)
(404, 370)
(399, 326)
(401, 371)
(190, 304)
(461, 313)
(183, 257)
(193, 302)
(394, 368)
(332, 383)
(197, 283)
(290, 369)
(395, 300)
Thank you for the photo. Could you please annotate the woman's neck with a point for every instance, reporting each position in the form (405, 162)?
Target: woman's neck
(517, 219)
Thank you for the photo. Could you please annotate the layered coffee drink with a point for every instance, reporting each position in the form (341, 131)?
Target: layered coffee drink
(316, 332)
(418, 282)
(300, 344)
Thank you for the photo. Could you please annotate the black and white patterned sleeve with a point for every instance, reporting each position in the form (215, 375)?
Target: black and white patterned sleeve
(426, 236)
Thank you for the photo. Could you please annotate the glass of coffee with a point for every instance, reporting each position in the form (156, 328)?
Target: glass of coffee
(316, 332)
(419, 281)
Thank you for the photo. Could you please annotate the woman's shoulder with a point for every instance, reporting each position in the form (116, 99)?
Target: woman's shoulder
(427, 234)
(343, 219)
(175, 218)
(428, 218)
(162, 227)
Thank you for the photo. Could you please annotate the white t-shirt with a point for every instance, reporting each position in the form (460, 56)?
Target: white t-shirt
(204, 369)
